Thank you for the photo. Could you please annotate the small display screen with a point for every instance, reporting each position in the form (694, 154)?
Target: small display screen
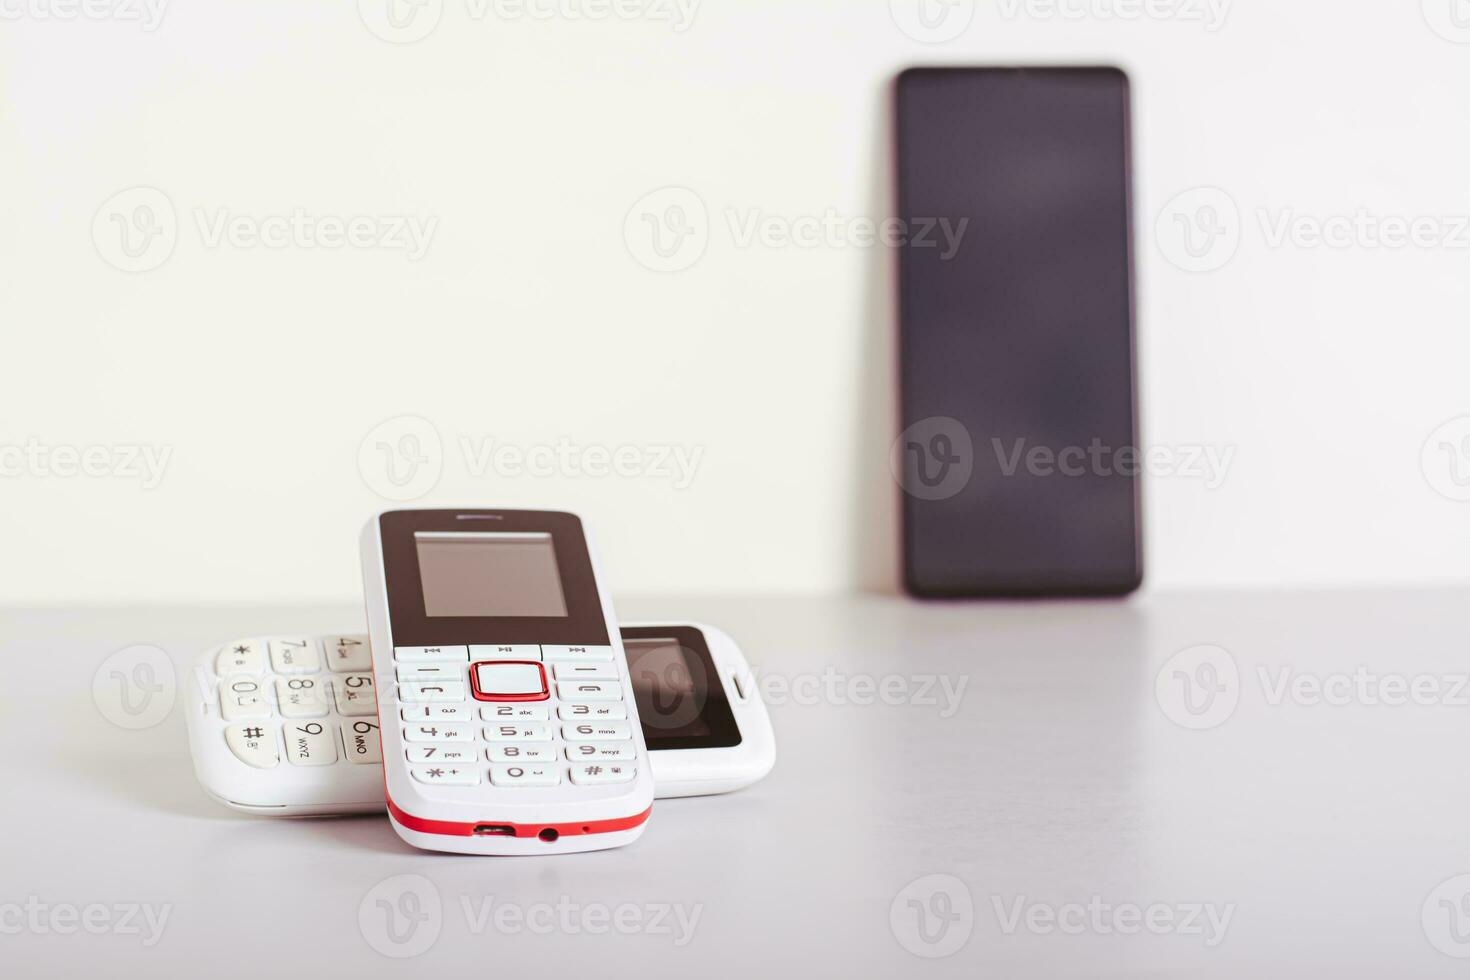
(489, 574)
(671, 688)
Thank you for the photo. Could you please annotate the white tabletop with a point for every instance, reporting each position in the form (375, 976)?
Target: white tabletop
(1020, 751)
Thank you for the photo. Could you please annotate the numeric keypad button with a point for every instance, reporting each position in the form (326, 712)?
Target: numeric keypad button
(295, 655)
(301, 697)
(447, 775)
(438, 733)
(597, 774)
(605, 711)
(528, 775)
(362, 742)
(512, 752)
(436, 712)
(518, 733)
(587, 671)
(600, 731)
(595, 654)
(254, 745)
(429, 655)
(456, 754)
(311, 743)
(589, 690)
(515, 712)
(355, 695)
(346, 654)
(242, 697)
(600, 752)
(240, 657)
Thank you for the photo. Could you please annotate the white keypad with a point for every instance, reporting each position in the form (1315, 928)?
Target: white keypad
(254, 745)
(349, 654)
(447, 775)
(606, 710)
(362, 742)
(281, 699)
(589, 671)
(428, 655)
(597, 774)
(515, 712)
(355, 695)
(244, 657)
(598, 654)
(589, 690)
(530, 775)
(296, 655)
(434, 732)
(311, 743)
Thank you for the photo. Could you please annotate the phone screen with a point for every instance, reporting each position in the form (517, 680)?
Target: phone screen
(1018, 457)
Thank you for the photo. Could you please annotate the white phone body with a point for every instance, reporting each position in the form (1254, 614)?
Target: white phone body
(267, 783)
(484, 611)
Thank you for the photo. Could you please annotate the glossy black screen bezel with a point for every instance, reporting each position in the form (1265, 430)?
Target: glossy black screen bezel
(715, 712)
(584, 624)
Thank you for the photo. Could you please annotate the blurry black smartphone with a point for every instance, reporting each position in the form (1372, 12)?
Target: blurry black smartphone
(1019, 455)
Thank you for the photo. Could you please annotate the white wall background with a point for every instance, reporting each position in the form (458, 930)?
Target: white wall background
(530, 320)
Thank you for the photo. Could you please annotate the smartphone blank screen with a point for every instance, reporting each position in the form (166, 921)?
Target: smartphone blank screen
(1018, 455)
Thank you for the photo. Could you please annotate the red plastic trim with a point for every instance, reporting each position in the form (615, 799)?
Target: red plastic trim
(451, 828)
(491, 696)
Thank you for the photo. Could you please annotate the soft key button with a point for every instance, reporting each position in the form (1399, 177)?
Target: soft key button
(254, 745)
(504, 680)
(595, 654)
(589, 671)
(295, 656)
(511, 651)
(241, 657)
(429, 655)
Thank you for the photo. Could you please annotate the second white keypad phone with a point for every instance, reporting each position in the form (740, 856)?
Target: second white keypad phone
(508, 721)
